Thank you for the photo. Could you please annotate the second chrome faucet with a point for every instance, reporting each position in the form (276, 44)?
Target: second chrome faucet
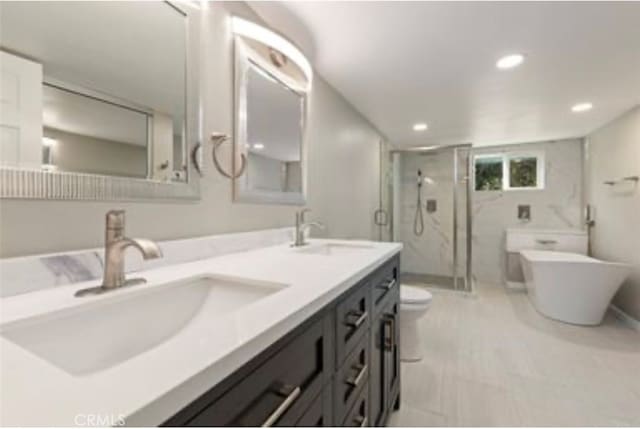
(302, 227)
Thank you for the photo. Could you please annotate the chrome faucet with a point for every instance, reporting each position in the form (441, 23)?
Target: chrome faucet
(302, 226)
(115, 245)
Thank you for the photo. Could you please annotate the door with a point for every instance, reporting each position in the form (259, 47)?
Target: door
(381, 216)
(378, 394)
(385, 362)
(392, 351)
(20, 112)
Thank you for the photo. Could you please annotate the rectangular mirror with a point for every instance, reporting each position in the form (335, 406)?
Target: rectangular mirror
(271, 98)
(88, 91)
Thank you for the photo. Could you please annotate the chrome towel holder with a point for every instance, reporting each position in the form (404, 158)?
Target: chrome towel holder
(217, 139)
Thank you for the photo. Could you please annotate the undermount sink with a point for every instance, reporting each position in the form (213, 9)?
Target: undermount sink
(330, 249)
(106, 332)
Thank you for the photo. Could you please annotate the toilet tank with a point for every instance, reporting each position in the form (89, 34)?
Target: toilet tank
(517, 239)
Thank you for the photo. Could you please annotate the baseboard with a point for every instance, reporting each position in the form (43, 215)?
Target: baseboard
(515, 285)
(630, 321)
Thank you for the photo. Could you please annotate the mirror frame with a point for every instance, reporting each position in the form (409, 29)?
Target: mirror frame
(23, 183)
(245, 58)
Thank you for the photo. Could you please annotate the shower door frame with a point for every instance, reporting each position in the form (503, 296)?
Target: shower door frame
(468, 272)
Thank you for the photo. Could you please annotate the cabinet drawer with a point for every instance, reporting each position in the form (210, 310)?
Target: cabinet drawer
(352, 320)
(357, 416)
(351, 378)
(279, 391)
(385, 280)
(319, 413)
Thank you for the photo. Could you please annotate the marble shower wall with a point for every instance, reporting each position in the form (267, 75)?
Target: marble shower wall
(558, 206)
(431, 252)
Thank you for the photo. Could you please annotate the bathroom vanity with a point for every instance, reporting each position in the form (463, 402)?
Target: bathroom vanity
(277, 335)
(340, 367)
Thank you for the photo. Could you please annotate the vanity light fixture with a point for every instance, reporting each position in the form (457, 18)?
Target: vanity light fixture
(257, 32)
(581, 107)
(420, 126)
(510, 61)
(48, 141)
(258, 146)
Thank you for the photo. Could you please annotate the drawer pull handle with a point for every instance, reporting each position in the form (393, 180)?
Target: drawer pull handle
(361, 421)
(390, 341)
(389, 285)
(361, 317)
(282, 408)
(358, 378)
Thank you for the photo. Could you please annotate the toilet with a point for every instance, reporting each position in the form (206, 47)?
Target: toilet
(414, 303)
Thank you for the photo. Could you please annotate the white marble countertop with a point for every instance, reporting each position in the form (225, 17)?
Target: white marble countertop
(152, 386)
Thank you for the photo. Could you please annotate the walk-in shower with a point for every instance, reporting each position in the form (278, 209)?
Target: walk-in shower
(430, 212)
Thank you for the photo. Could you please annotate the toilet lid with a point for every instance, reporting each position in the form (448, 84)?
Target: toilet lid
(410, 294)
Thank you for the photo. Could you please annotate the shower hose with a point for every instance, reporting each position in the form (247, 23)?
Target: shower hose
(418, 220)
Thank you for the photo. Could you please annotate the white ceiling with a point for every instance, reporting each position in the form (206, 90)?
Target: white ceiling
(405, 62)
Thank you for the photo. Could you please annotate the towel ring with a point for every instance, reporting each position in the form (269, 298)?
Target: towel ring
(196, 156)
(218, 139)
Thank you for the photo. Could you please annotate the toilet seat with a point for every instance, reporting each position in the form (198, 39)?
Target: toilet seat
(414, 296)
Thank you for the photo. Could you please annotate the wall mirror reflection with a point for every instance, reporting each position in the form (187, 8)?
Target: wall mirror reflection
(99, 95)
(274, 134)
(271, 99)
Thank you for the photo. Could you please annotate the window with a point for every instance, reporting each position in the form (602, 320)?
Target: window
(489, 172)
(509, 171)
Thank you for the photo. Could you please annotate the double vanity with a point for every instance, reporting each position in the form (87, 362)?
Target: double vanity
(216, 332)
(277, 335)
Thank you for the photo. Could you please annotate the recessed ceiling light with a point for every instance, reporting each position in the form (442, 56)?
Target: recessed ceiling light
(510, 61)
(258, 146)
(581, 107)
(420, 127)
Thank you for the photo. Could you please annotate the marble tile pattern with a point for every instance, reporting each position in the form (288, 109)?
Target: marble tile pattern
(431, 252)
(493, 360)
(558, 206)
(30, 273)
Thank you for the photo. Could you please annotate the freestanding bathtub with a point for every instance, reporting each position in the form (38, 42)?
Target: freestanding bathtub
(571, 287)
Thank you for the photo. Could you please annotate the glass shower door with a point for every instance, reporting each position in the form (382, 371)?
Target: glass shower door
(429, 200)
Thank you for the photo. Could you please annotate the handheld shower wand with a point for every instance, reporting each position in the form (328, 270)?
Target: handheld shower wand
(418, 220)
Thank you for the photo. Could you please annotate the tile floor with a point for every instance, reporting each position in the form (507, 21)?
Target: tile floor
(492, 360)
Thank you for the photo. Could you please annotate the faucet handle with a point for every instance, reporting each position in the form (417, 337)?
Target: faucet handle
(302, 213)
(115, 219)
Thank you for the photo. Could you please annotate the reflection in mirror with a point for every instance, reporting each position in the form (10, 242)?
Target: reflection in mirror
(274, 134)
(86, 135)
(272, 83)
(87, 89)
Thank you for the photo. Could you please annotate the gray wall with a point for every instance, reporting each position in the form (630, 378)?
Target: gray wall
(558, 206)
(613, 152)
(85, 154)
(343, 175)
(264, 173)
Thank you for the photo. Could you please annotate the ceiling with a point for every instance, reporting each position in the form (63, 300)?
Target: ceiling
(400, 63)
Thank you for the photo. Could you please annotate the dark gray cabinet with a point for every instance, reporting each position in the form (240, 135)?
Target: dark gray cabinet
(339, 368)
(384, 383)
